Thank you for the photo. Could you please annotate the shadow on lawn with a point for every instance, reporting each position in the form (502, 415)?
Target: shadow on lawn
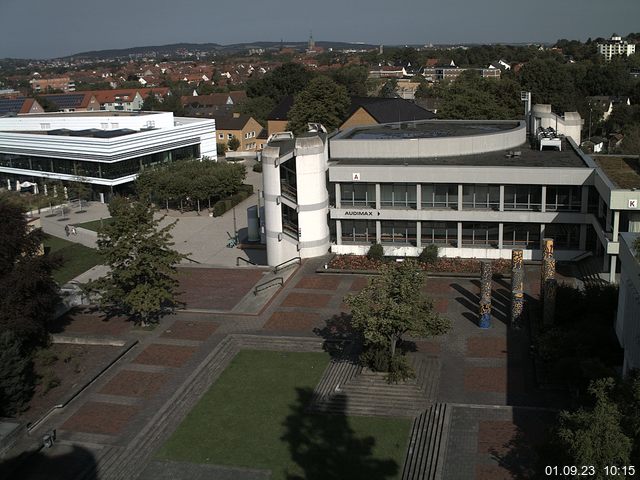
(70, 462)
(325, 446)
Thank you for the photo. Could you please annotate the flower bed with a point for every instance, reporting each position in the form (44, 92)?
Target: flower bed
(442, 265)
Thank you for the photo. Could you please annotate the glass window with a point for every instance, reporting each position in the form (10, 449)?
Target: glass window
(288, 180)
(522, 235)
(480, 234)
(358, 231)
(522, 197)
(481, 197)
(358, 195)
(564, 198)
(398, 195)
(290, 221)
(565, 236)
(398, 233)
(441, 233)
(440, 195)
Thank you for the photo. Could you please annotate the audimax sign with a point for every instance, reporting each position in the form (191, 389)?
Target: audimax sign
(361, 213)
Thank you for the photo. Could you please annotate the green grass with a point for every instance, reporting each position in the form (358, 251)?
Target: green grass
(254, 416)
(76, 258)
(95, 224)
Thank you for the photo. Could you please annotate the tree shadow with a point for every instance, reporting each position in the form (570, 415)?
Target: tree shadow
(58, 463)
(325, 447)
(339, 337)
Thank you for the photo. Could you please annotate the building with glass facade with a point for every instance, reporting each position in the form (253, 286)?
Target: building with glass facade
(104, 149)
(476, 189)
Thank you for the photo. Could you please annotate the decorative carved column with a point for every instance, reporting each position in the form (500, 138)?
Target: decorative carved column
(485, 294)
(517, 288)
(548, 283)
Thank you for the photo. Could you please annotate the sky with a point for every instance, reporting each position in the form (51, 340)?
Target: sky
(54, 28)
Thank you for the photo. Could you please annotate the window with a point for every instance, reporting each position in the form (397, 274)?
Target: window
(290, 221)
(229, 136)
(45, 126)
(358, 231)
(522, 197)
(565, 236)
(521, 235)
(288, 180)
(440, 233)
(479, 234)
(439, 195)
(358, 195)
(566, 199)
(221, 136)
(398, 233)
(481, 197)
(398, 195)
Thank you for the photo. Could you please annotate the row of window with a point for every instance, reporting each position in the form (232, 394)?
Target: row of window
(230, 135)
(83, 168)
(474, 196)
(404, 233)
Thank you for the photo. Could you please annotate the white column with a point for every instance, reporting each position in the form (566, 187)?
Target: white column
(378, 232)
(378, 189)
(501, 201)
(543, 207)
(500, 234)
(418, 233)
(459, 234)
(616, 225)
(418, 196)
(338, 232)
(460, 192)
(612, 271)
(338, 196)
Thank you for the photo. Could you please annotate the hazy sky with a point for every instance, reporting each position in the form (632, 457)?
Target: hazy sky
(51, 28)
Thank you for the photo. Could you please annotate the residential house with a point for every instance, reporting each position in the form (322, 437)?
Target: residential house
(14, 106)
(243, 127)
(212, 105)
(73, 102)
(615, 46)
(122, 100)
(46, 84)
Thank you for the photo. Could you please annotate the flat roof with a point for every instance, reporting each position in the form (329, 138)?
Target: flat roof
(96, 113)
(429, 129)
(528, 157)
(89, 132)
(623, 171)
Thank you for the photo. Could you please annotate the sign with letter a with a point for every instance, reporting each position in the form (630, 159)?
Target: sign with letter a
(356, 177)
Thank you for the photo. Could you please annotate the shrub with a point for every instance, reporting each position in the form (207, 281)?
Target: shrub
(257, 167)
(16, 375)
(375, 357)
(233, 144)
(245, 187)
(376, 252)
(399, 369)
(221, 147)
(46, 357)
(49, 382)
(228, 203)
(429, 255)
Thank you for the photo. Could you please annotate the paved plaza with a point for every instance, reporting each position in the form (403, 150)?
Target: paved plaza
(485, 377)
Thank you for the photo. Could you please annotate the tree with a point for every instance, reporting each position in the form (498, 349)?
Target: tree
(631, 140)
(16, 375)
(549, 82)
(258, 108)
(388, 90)
(80, 189)
(233, 144)
(287, 79)
(393, 305)
(323, 101)
(151, 103)
(28, 293)
(142, 265)
(593, 436)
(353, 78)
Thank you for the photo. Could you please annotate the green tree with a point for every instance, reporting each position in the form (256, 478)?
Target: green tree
(28, 293)
(16, 375)
(233, 144)
(80, 189)
(287, 79)
(388, 90)
(393, 305)
(631, 140)
(258, 108)
(141, 281)
(549, 82)
(593, 436)
(323, 101)
(353, 78)
(151, 103)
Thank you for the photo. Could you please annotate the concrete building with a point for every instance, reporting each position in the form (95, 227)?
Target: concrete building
(615, 46)
(39, 84)
(243, 127)
(104, 149)
(476, 189)
(628, 317)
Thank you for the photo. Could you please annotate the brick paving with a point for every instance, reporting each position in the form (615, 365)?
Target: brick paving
(102, 418)
(133, 383)
(190, 330)
(484, 367)
(216, 288)
(165, 355)
(79, 321)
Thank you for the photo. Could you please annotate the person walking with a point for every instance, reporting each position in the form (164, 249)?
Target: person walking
(73, 230)
(66, 230)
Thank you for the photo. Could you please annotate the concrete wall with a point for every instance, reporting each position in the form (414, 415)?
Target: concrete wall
(628, 318)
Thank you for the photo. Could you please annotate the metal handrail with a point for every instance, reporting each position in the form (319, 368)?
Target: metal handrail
(286, 263)
(268, 284)
(244, 260)
(192, 260)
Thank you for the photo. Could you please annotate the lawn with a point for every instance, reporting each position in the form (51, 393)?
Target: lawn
(254, 416)
(76, 258)
(95, 224)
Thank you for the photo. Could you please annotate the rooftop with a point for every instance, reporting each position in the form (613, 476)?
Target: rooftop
(624, 172)
(523, 156)
(97, 113)
(428, 129)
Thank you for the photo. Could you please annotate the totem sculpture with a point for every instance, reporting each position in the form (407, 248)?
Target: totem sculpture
(517, 288)
(548, 284)
(485, 294)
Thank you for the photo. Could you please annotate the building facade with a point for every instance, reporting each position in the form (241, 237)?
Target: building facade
(616, 46)
(476, 189)
(104, 149)
(628, 316)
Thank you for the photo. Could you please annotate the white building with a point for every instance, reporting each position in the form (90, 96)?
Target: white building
(628, 318)
(105, 149)
(476, 189)
(616, 46)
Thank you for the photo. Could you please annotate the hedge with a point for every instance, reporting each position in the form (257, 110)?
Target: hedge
(222, 206)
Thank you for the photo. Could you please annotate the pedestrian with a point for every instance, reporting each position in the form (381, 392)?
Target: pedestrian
(74, 231)
(66, 230)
